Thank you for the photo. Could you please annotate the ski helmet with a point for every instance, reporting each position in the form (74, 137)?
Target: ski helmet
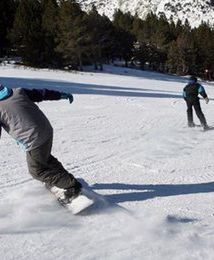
(192, 79)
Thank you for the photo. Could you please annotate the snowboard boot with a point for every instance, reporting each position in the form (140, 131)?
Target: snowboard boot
(73, 192)
(65, 196)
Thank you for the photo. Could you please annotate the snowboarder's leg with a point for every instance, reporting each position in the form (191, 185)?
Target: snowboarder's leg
(190, 114)
(46, 168)
(199, 113)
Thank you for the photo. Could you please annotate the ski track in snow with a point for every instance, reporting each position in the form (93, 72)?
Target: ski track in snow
(125, 136)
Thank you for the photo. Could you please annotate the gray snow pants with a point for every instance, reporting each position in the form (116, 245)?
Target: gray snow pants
(46, 168)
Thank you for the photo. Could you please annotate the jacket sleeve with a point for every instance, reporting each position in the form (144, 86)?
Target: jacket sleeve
(202, 91)
(184, 93)
(38, 95)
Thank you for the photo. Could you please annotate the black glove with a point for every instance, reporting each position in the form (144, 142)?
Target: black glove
(67, 96)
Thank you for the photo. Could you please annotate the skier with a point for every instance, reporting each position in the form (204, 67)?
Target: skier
(21, 118)
(190, 94)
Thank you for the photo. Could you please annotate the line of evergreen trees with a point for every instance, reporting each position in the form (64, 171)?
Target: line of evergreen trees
(59, 34)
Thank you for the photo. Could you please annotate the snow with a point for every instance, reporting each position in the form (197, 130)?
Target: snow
(195, 12)
(124, 136)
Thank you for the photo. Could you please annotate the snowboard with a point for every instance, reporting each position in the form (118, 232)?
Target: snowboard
(209, 128)
(76, 205)
(79, 204)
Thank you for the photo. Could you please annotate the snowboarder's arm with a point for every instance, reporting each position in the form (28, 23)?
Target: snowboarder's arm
(202, 91)
(38, 95)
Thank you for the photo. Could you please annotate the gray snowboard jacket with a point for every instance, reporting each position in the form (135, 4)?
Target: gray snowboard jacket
(21, 118)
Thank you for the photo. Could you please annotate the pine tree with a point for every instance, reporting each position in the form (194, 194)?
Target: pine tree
(137, 29)
(100, 32)
(7, 12)
(178, 28)
(186, 54)
(182, 55)
(173, 58)
(150, 27)
(72, 34)
(49, 31)
(204, 40)
(164, 33)
(123, 20)
(108, 39)
(124, 38)
(26, 33)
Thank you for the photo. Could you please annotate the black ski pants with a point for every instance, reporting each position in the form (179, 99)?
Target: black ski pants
(197, 107)
(46, 168)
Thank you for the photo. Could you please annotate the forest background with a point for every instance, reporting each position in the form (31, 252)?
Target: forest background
(59, 34)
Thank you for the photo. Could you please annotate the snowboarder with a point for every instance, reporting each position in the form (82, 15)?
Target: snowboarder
(21, 118)
(190, 94)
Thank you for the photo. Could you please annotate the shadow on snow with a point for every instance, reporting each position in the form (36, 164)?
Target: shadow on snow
(149, 191)
(88, 89)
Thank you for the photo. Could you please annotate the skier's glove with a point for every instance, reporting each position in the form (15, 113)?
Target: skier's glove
(67, 96)
(206, 100)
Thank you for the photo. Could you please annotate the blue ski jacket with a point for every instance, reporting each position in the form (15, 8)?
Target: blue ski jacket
(192, 90)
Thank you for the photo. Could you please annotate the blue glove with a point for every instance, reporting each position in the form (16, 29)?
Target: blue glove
(67, 96)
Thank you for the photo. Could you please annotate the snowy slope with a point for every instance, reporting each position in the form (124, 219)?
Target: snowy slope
(194, 11)
(126, 136)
